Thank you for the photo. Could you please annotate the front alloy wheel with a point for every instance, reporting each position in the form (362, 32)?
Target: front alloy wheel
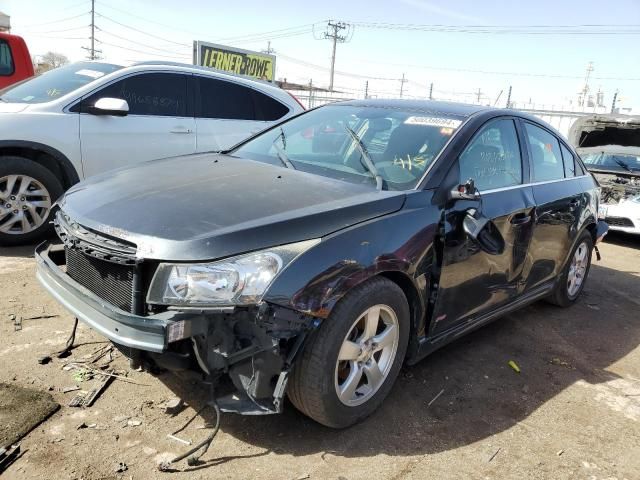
(348, 366)
(366, 355)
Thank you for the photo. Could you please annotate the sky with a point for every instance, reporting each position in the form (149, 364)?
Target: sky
(543, 68)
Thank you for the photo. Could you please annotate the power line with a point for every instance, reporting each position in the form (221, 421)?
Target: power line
(164, 39)
(141, 51)
(55, 21)
(139, 43)
(594, 29)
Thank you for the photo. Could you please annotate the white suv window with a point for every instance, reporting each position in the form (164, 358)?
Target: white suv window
(154, 94)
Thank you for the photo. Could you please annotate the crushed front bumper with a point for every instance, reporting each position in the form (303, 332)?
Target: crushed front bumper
(253, 347)
(124, 328)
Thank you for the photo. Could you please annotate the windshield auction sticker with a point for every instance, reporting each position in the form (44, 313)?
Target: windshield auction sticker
(433, 122)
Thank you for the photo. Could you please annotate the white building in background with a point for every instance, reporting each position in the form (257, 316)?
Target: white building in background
(5, 22)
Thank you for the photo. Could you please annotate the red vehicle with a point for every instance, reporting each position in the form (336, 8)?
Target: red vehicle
(15, 60)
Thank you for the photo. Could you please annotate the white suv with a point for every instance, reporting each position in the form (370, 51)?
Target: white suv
(90, 117)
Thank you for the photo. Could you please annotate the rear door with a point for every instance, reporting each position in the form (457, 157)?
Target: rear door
(477, 278)
(559, 198)
(229, 112)
(160, 122)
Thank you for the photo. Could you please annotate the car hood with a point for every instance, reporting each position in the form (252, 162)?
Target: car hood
(12, 107)
(202, 207)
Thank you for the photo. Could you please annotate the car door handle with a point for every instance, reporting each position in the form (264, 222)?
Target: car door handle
(182, 130)
(521, 219)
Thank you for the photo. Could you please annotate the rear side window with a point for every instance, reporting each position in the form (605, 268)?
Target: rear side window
(6, 59)
(225, 100)
(151, 94)
(546, 158)
(268, 108)
(493, 159)
(569, 162)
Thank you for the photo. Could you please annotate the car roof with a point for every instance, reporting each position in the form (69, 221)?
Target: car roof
(424, 106)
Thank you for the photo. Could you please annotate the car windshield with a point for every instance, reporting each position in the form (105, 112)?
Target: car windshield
(57, 82)
(386, 147)
(625, 161)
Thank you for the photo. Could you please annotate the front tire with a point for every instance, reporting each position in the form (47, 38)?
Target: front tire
(575, 273)
(27, 193)
(350, 364)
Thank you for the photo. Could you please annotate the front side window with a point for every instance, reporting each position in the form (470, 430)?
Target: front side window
(151, 94)
(338, 140)
(6, 59)
(57, 82)
(546, 158)
(492, 158)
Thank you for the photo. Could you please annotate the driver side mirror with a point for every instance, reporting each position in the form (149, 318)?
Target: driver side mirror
(465, 191)
(110, 106)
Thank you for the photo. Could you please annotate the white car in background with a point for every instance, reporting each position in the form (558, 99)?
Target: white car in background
(90, 117)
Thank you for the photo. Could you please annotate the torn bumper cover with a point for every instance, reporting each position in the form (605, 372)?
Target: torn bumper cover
(254, 347)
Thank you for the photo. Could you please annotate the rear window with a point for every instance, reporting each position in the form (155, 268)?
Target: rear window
(267, 108)
(57, 83)
(6, 59)
(224, 100)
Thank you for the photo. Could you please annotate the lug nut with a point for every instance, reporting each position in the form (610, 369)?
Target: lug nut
(22, 199)
(24, 207)
(13, 197)
(15, 211)
(8, 205)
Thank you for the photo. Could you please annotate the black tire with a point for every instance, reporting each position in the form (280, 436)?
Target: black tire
(11, 165)
(561, 295)
(312, 387)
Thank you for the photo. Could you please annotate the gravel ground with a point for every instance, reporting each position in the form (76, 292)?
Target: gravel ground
(572, 412)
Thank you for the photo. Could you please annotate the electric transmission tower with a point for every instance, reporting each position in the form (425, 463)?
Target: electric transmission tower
(582, 98)
(333, 33)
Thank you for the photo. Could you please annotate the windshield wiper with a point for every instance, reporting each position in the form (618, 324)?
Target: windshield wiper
(280, 151)
(368, 163)
(623, 165)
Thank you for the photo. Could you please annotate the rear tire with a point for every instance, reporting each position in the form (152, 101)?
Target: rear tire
(27, 193)
(575, 273)
(369, 330)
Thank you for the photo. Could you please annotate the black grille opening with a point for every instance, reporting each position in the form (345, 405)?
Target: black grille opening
(110, 281)
(619, 222)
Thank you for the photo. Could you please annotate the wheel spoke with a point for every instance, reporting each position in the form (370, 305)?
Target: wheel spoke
(25, 182)
(371, 320)
(385, 338)
(373, 373)
(37, 219)
(6, 227)
(11, 182)
(349, 386)
(4, 212)
(349, 351)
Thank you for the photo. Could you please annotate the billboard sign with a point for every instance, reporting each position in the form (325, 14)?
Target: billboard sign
(258, 65)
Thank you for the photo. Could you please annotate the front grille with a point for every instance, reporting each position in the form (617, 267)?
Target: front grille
(619, 222)
(110, 281)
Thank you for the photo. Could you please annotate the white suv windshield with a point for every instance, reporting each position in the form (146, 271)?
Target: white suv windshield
(56, 83)
(387, 147)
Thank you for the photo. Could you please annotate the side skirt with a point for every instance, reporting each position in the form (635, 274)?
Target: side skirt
(428, 345)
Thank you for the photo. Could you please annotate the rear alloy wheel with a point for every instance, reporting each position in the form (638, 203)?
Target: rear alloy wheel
(27, 193)
(349, 365)
(574, 275)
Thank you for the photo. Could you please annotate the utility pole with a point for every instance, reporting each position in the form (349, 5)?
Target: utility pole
(431, 91)
(269, 49)
(582, 98)
(479, 94)
(310, 93)
(332, 33)
(613, 103)
(92, 50)
(402, 82)
(509, 98)
(366, 89)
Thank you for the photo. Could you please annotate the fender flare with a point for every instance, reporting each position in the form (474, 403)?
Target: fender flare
(67, 167)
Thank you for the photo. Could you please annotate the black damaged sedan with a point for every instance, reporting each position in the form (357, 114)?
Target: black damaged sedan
(315, 258)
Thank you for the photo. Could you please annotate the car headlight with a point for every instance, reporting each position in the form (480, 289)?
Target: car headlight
(240, 280)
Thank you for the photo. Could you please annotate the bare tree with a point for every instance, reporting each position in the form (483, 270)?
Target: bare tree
(50, 60)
